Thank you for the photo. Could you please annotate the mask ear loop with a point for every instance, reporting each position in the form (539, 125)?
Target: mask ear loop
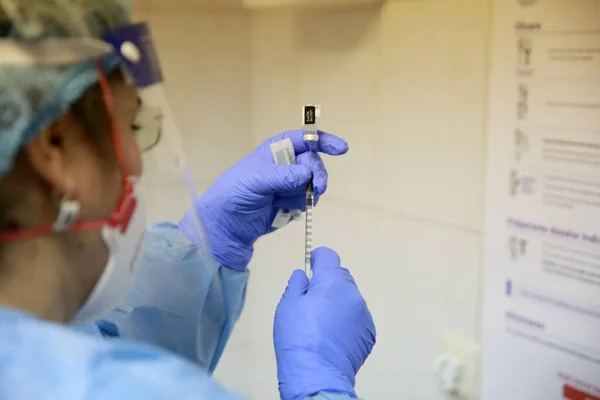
(127, 202)
(114, 130)
(69, 209)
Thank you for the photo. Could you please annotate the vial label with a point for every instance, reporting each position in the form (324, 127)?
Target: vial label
(310, 115)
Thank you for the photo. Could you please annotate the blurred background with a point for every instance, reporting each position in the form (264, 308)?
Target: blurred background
(405, 82)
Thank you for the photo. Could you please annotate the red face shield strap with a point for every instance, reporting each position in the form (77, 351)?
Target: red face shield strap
(126, 204)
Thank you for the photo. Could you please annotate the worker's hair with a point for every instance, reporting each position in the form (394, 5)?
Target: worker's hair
(90, 112)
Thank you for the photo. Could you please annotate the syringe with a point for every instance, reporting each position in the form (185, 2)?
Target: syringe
(310, 117)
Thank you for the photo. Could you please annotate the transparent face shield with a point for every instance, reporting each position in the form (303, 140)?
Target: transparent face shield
(166, 180)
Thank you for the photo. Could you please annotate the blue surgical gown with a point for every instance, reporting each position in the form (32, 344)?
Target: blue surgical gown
(163, 342)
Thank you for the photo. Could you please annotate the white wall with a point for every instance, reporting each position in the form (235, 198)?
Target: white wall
(406, 86)
(205, 57)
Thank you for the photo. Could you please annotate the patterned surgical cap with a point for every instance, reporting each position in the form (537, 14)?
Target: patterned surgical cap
(32, 97)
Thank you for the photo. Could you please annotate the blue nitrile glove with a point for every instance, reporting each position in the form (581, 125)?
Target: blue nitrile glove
(239, 207)
(323, 330)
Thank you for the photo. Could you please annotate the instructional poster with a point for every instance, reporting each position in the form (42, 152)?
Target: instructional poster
(541, 315)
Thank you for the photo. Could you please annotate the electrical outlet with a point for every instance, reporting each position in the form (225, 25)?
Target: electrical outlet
(468, 352)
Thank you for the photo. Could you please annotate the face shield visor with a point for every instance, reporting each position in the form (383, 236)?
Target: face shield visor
(166, 181)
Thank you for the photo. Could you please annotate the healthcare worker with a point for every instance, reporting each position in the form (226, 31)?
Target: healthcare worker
(93, 303)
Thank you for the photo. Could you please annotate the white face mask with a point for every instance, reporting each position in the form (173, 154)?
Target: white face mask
(125, 251)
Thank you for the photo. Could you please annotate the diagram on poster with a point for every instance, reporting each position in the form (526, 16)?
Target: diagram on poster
(542, 253)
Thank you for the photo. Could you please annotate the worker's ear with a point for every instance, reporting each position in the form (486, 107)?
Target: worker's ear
(48, 155)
